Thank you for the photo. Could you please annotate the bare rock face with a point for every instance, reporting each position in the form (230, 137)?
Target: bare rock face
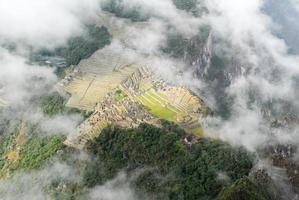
(201, 59)
(282, 157)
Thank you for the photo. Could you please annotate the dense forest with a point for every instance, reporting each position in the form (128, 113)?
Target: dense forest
(54, 104)
(172, 168)
(82, 47)
(76, 49)
(137, 14)
(163, 163)
(118, 8)
(159, 160)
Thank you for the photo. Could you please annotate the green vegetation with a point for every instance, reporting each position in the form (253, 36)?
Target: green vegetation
(119, 95)
(157, 109)
(244, 189)
(81, 47)
(119, 8)
(174, 170)
(54, 104)
(37, 150)
(195, 7)
(187, 5)
(71, 190)
(8, 130)
(166, 167)
(77, 48)
(5, 144)
(158, 105)
(135, 13)
(21, 151)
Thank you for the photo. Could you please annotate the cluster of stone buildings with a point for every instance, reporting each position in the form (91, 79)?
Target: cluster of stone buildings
(127, 111)
(73, 71)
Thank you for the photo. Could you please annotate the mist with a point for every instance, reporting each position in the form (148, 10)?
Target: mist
(258, 37)
(44, 23)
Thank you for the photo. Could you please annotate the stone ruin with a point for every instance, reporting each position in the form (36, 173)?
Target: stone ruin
(128, 111)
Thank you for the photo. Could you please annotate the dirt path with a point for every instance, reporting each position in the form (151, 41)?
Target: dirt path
(85, 92)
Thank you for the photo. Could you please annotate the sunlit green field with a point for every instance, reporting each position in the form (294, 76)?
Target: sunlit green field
(158, 105)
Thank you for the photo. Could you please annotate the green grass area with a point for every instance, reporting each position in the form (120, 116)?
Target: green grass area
(196, 131)
(158, 105)
(119, 95)
(37, 150)
(54, 104)
(31, 152)
(8, 131)
(6, 142)
(157, 109)
(158, 95)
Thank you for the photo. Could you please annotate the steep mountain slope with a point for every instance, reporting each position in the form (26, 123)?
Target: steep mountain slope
(119, 90)
(140, 135)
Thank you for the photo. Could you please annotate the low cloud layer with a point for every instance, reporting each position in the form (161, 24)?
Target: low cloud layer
(267, 71)
(267, 74)
(43, 23)
(19, 81)
(115, 189)
(32, 185)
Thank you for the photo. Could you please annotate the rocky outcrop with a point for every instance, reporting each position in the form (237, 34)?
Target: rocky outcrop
(202, 54)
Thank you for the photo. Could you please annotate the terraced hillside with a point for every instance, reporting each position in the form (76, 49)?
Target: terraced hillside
(122, 90)
(94, 78)
(141, 97)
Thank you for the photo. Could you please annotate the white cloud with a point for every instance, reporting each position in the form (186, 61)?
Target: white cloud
(19, 81)
(118, 188)
(32, 185)
(267, 72)
(249, 29)
(295, 3)
(43, 22)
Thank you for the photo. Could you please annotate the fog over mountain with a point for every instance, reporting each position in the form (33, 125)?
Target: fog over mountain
(136, 99)
(284, 15)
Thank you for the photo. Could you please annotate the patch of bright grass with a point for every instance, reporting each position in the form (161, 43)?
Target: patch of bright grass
(37, 150)
(119, 95)
(157, 109)
(196, 131)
